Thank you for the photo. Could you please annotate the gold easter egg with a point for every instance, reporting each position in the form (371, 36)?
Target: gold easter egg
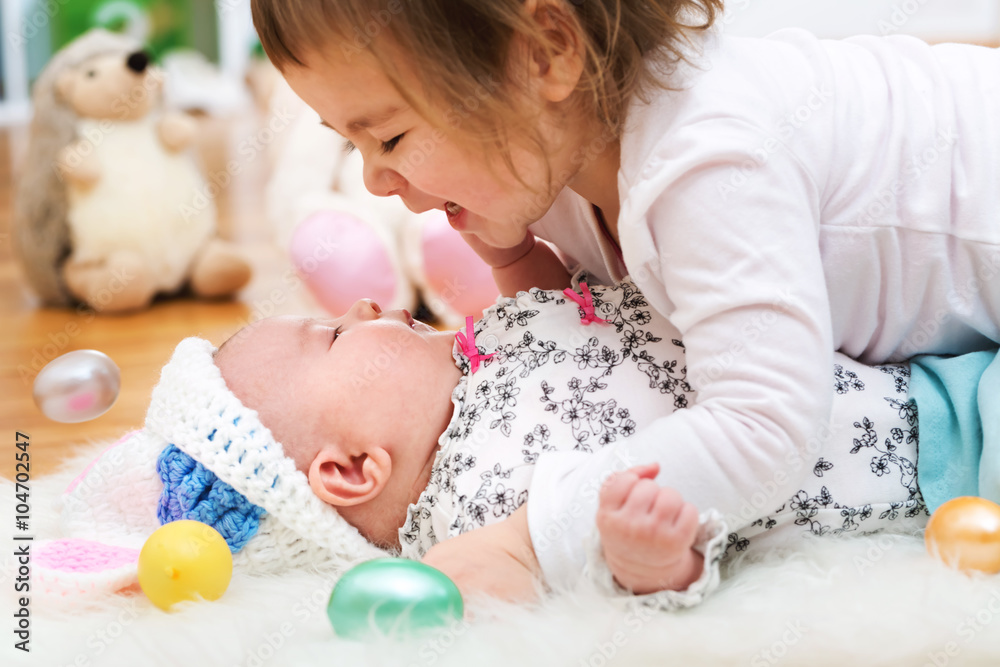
(964, 533)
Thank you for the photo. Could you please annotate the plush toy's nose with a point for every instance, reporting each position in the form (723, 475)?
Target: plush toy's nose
(138, 62)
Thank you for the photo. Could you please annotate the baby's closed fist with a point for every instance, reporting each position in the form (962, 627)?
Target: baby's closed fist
(647, 532)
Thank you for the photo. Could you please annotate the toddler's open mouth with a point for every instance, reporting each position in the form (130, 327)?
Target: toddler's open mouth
(456, 215)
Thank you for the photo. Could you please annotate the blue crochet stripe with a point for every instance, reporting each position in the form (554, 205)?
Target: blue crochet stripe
(192, 491)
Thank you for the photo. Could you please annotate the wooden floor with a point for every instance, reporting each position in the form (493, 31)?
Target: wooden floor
(141, 343)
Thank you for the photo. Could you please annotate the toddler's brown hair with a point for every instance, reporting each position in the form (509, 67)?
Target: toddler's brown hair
(461, 50)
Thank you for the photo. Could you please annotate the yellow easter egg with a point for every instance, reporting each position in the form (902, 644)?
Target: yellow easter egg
(964, 533)
(184, 560)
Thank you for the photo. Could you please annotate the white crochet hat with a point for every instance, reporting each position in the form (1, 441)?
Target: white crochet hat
(196, 431)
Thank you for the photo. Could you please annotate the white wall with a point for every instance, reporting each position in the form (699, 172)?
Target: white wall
(934, 20)
(15, 106)
(236, 36)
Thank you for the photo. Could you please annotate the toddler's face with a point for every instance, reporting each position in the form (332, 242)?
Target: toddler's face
(368, 376)
(405, 155)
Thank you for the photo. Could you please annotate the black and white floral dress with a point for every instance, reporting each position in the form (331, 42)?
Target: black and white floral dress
(555, 384)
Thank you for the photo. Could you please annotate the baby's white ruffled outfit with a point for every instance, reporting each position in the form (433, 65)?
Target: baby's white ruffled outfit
(554, 384)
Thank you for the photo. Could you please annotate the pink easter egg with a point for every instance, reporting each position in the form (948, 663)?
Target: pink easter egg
(341, 259)
(456, 275)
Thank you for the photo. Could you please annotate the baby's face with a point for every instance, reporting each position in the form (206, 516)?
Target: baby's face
(405, 155)
(368, 376)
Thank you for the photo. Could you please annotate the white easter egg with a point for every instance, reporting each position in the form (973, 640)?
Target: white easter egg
(77, 386)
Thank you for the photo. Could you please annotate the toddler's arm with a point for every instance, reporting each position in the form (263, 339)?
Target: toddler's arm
(526, 265)
(740, 275)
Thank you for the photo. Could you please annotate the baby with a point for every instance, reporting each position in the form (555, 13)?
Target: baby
(416, 436)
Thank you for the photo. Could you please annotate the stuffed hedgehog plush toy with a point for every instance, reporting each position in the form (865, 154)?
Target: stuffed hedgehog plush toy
(110, 209)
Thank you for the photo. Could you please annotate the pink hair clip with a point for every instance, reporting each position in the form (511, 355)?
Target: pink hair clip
(586, 302)
(468, 344)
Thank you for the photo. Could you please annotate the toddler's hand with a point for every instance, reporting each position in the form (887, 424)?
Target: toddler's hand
(647, 532)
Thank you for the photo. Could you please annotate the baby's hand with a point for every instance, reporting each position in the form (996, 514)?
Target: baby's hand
(647, 532)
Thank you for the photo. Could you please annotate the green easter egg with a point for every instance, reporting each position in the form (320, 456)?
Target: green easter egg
(394, 596)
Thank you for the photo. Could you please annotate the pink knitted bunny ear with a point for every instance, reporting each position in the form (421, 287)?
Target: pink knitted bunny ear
(74, 566)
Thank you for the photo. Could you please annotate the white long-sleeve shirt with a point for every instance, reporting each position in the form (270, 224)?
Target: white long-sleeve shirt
(794, 197)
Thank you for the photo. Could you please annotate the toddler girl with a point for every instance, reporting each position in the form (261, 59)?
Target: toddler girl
(777, 199)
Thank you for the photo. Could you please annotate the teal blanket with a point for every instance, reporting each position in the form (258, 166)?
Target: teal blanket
(957, 409)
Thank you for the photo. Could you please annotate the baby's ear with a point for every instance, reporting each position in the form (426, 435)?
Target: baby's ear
(343, 480)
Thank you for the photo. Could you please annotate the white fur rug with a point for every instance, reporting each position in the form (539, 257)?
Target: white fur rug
(848, 601)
